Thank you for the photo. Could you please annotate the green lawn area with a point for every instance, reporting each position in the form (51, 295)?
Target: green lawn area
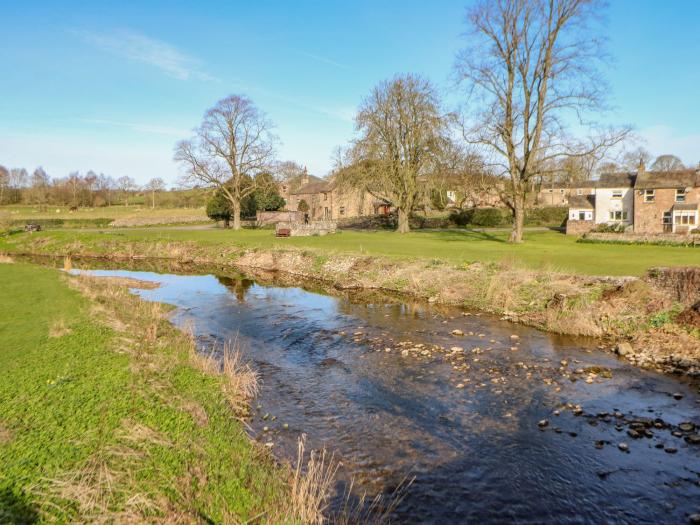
(541, 250)
(81, 417)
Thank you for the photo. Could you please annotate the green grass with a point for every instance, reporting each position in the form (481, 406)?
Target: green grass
(69, 398)
(542, 249)
(29, 212)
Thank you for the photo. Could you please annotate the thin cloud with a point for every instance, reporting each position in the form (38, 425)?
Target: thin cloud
(139, 127)
(665, 139)
(140, 48)
(323, 60)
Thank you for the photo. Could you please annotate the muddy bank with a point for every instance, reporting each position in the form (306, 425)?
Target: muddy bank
(640, 318)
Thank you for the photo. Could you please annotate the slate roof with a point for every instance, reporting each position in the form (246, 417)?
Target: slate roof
(668, 179)
(616, 180)
(685, 206)
(582, 202)
(315, 186)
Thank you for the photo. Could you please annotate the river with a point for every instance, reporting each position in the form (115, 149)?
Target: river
(496, 423)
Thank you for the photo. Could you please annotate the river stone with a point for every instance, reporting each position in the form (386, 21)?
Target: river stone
(599, 444)
(693, 439)
(623, 348)
(678, 396)
(694, 519)
(624, 447)
(457, 332)
(686, 426)
(670, 450)
(543, 423)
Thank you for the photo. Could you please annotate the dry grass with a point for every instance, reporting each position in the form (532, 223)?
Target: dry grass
(311, 486)
(59, 329)
(6, 259)
(5, 435)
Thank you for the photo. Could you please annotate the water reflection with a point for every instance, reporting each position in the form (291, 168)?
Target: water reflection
(390, 389)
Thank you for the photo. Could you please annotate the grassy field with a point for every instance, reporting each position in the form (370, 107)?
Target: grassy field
(114, 422)
(542, 250)
(25, 212)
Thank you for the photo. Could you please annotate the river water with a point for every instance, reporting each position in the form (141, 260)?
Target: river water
(501, 424)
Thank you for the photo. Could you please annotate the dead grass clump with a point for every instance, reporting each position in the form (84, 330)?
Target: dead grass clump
(59, 329)
(311, 487)
(376, 511)
(241, 381)
(196, 411)
(6, 259)
(5, 435)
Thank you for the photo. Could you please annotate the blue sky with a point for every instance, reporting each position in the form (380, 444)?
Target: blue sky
(111, 86)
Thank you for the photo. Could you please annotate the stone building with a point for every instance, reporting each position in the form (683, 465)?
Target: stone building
(558, 193)
(326, 200)
(666, 202)
(614, 199)
(581, 217)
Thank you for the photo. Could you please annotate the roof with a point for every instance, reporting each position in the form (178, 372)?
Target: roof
(567, 185)
(685, 206)
(315, 186)
(668, 179)
(582, 202)
(616, 180)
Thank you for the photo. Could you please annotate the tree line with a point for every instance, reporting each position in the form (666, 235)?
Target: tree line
(91, 189)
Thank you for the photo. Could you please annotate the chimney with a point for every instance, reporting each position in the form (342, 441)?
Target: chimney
(642, 168)
(305, 177)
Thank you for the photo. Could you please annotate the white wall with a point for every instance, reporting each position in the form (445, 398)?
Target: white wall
(604, 204)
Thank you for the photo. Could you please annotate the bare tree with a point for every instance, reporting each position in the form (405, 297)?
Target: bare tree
(4, 182)
(401, 131)
(155, 185)
(126, 185)
(39, 184)
(632, 159)
(667, 163)
(529, 64)
(105, 185)
(233, 143)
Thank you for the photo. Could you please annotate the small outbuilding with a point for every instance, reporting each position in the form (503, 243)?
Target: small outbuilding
(581, 214)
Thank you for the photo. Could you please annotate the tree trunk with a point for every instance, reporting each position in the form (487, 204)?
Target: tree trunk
(153, 200)
(404, 227)
(516, 235)
(236, 204)
(227, 223)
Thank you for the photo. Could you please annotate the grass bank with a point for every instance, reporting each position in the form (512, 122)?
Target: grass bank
(107, 414)
(542, 251)
(550, 282)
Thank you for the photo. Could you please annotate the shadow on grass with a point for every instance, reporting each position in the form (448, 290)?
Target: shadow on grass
(16, 508)
(465, 235)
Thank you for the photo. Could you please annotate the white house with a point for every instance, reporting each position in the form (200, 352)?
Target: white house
(614, 199)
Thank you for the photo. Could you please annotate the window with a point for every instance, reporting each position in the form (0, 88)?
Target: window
(617, 194)
(325, 196)
(618, 216)
(582, 215)
(680, 195)
(342, 210)
(667, 217)
(649, 195)
(685, 218)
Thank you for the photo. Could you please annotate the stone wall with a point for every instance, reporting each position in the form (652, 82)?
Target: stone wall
(683, 283)
(272, 217)
(300, 229)
(579, 227)
(645, 238)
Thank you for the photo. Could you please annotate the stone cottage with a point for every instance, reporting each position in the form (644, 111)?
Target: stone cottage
(666, 202)
(581, 217)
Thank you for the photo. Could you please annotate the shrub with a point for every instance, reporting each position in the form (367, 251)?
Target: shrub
(303, 206)
(490, 217)
(546, 216)
(609, 228)
(219, 208)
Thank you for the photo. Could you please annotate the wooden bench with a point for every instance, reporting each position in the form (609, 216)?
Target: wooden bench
(283, 232)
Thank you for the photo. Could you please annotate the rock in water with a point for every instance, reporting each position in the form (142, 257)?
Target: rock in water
(543, 423)
(623, 349)
(624, 447)
(457, 332)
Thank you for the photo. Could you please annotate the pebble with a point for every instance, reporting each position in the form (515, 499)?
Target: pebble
(269, 444)
(686, 426)
(624, 447)
(285, 426)
(670, 450)
(599, 444)
(543, 423)
(678, 396)
(514, 337)
(460, 385)
(694, 519)
(265, 429)
(693, 439)
(457, 332)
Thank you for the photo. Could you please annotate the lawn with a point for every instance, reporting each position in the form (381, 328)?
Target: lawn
(542, 249)
(96, 422)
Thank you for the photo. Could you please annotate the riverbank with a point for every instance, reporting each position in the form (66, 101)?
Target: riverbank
(107, 413)
(648, 320)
